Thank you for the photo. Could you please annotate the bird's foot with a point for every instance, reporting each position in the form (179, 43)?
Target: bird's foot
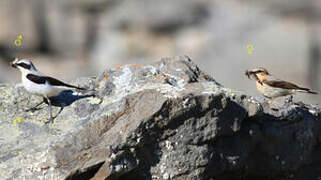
(50, 120)
(33, 109)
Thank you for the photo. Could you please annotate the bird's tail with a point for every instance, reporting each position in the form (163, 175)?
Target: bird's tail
(77, 88)
(306, 90)
(80, 88)
(85, 91)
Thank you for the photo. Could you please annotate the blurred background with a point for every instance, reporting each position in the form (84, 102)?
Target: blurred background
(72, 38)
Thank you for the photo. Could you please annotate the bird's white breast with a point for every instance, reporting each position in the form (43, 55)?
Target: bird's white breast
(44, 90)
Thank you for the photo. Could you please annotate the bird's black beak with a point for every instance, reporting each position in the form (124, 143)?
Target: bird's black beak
(13, 65)
(248, 73)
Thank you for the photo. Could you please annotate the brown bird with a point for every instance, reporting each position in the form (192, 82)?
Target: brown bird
(272, 87)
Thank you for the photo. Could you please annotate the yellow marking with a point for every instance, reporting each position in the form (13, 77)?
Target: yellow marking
(250, 48)
(17, 121)
(17, 42)
(95, 101)
(18, 153)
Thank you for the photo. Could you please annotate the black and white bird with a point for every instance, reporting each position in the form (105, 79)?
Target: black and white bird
(40, 84)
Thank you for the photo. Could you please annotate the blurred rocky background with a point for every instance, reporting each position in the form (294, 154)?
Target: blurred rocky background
(72, 38)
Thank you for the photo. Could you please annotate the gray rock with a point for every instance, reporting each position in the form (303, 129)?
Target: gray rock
(167, 120)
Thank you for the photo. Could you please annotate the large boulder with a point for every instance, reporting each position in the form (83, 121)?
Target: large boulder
(167, 120)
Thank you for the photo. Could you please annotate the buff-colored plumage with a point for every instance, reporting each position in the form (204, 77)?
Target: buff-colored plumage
(272, 87)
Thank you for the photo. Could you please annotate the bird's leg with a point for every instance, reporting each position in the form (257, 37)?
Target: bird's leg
(35, 107)
(50, 110)
(61, 108)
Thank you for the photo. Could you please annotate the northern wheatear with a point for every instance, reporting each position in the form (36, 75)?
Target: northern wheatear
(271, 87)
(39, 84)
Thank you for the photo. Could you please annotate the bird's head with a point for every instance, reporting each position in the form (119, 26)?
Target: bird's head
(259, 74)
(24, 65)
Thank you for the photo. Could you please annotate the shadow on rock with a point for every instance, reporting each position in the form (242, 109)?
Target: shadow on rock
(65, 98)
(62, 100)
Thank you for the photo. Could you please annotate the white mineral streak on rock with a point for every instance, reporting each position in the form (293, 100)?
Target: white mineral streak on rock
(123, 81)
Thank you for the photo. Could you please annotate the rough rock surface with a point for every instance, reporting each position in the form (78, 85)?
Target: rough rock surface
(167, 120)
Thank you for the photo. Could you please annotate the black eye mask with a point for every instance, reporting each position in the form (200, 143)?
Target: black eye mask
(261, 71)
(24, 65)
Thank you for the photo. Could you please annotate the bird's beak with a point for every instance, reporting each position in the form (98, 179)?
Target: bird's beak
(13, 65)
(248, 73)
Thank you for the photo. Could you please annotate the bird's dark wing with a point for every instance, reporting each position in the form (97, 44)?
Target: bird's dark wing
(36, 79)
(52, 81)
(56, 82)
(287, 85)
(283, 84)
